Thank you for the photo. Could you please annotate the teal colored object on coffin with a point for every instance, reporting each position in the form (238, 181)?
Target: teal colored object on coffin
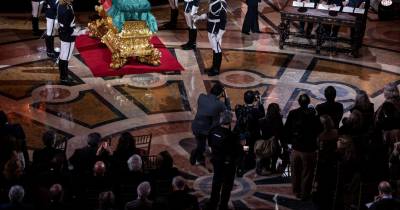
(124, 10)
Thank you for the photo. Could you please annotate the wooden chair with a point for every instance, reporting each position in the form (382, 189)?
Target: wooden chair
(60, 143)
(150, 162)
(143, 142)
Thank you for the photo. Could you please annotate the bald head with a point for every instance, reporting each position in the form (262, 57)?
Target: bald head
(385, 188)
(56, 192)
(99, 168)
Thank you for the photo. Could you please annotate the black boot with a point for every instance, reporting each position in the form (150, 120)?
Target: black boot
(191, 44)
(35, 27)
(63, 68)
(217, 65)
(172, 22)
(50, 47)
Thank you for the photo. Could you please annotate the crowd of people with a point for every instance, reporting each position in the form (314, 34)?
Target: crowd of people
(94, 177)
(335, 161)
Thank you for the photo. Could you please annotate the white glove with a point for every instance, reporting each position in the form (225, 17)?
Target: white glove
(220, 34)
(194, 10)
(201, 17)
(345, 3)
(79, 31)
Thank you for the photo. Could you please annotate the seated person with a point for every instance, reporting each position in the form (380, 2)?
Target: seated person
(329, 30)
(309, 25)
(362, 4)
(384, 201)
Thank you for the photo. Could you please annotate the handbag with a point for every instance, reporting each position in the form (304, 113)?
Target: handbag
(266, 148)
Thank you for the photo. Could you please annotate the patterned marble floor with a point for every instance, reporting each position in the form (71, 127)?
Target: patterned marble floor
(30, 92)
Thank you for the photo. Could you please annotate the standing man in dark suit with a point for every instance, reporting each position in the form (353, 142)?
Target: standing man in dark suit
(226, 154)
(42, 158)
(209, 108)
(250, 22)
(84, 158)
(302, 128)
(331, 107)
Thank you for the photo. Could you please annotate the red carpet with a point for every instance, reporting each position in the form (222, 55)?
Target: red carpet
(98, 58)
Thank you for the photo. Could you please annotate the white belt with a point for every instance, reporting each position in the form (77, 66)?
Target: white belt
(188, 0)
(214, 20)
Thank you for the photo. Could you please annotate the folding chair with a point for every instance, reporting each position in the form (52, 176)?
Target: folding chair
(143, 142)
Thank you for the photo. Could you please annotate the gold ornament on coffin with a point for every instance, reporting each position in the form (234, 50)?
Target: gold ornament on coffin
(133, 40)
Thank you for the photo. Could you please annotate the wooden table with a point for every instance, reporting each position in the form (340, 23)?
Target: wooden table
(320, 18)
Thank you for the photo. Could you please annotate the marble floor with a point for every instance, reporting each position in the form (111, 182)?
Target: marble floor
(30, 92)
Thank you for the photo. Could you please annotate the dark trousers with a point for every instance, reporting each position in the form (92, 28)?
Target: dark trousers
(251, 20)
(201, 141)
(222, 184)
(302, 166)
(331, 31)
(309, 28)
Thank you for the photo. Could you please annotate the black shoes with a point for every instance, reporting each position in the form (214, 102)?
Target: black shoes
(63, 68)
(35, 27)
(191, 44)
(50, 47)
(217, 59)
(192, 158)
(173, 21)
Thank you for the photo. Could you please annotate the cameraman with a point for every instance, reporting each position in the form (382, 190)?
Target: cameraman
(209, 108)
(247, 124)
(226, 154)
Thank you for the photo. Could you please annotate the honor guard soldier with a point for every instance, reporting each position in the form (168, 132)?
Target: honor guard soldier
(36, 10)
(190, 9)
(66, 20)
(174, 15)
(216, 28)
(51, 25)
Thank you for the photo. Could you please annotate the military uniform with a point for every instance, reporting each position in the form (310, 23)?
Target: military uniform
(66, 20)
(190, 9)
(216, 22)
(37, 6)
(51, 24)
(174, 15)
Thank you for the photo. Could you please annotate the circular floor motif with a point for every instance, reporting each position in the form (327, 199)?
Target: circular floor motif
(54, 93)
(243, 79)
(147, 80)
(242, 187)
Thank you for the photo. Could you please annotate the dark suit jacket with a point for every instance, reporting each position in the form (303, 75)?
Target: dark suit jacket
(302, 128)
(386, 204)
(83, 159)
(42, 158)
(334, 110)
(181, 200)
(11, 206)
(208, 112)
(252, 2)
(139, 204)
